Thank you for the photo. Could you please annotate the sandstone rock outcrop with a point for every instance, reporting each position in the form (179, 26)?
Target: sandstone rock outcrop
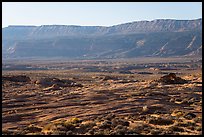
(171, 78)
(20, 78)
(47, 82)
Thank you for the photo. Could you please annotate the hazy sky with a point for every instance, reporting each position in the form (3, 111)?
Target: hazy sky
(95, 13)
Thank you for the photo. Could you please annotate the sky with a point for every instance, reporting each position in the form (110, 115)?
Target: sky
(95, 13)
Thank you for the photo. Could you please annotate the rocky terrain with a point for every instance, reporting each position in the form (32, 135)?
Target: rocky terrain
(103, 98)
(156, 38)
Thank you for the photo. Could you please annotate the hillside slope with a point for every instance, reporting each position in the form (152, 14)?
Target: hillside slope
(143, 38)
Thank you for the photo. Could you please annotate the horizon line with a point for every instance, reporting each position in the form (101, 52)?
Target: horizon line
(103, 25)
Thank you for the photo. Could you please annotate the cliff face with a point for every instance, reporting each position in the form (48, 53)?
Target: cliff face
(163, 37)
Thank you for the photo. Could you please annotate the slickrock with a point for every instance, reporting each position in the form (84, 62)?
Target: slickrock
(53, 87)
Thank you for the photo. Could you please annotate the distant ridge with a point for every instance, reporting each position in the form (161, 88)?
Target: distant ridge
(110, 25)
(160, 37)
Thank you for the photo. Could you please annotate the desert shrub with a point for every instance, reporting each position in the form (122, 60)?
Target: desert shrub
(155, 131)
(47, 129)
(176, 129)
(33, 128)
(161, 121)
(177, 113)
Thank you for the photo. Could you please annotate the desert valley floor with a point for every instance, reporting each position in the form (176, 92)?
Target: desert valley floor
(120, 97)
